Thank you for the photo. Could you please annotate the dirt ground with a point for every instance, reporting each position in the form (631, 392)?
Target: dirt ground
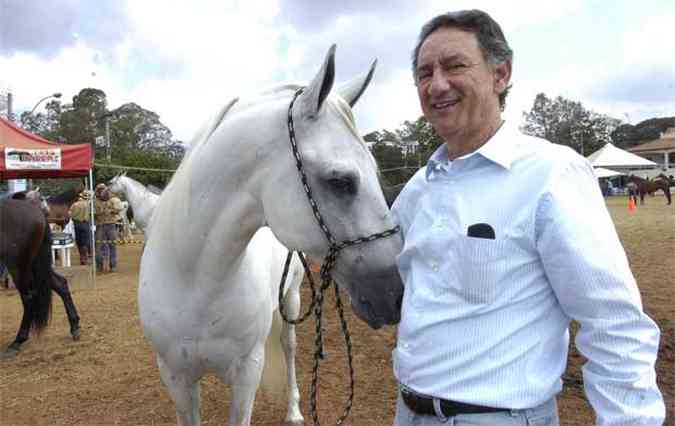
(109, 377)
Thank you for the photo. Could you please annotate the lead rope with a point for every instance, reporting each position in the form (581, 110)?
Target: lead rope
(326, 281)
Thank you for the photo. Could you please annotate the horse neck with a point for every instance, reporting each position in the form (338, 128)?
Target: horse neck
(135, 192)
(68, 197)
(212, 208)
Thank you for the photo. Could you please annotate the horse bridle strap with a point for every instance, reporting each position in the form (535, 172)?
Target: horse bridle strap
(316, 305)
(334, 245)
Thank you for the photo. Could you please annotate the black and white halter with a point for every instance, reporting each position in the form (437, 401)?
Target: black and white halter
(334, 250)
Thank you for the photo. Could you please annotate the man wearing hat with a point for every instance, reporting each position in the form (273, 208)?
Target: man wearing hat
(80, 212)
(106, 212)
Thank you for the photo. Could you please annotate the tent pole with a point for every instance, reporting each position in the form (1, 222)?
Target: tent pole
(92, 227)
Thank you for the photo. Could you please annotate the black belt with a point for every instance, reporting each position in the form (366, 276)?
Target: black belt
(425, 405)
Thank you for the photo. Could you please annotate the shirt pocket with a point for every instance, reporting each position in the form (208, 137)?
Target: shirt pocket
(481, 263)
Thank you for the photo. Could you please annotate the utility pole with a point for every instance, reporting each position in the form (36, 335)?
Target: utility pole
(107, 138)
(582, 143)
(10, 114)
(15, 185)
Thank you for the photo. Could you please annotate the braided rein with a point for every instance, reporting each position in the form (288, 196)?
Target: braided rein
(316, 305)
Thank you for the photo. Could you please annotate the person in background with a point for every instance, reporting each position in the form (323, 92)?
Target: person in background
(507, 239)
(80, 213)
(632, 190)
(106, 214)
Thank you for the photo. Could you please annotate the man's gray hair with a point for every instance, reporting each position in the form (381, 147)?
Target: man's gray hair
(489, 34)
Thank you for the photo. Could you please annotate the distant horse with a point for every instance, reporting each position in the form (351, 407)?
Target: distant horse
(646, 186)
(670, 180)
(141, 199)
(25, 248)
(59, 205)
(210, 272)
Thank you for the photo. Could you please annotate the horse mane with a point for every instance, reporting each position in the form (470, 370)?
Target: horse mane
(64, 197)
(154, 189)
(140, 186)
(336, 103)
(21, 195)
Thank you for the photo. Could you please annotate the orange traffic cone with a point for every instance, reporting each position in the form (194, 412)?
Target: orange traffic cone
(631, 204)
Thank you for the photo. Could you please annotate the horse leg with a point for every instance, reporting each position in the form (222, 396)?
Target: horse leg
(60, 286)
(185, 393)
(24, 328)
(289, 344)
(246, 378)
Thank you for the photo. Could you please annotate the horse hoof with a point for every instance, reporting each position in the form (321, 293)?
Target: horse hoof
(75, 334)
(9, 353)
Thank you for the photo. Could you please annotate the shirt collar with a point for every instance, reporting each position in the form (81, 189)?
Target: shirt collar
(438, 161)
(499, 149)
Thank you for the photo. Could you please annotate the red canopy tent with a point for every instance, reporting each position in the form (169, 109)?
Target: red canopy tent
(25, 155)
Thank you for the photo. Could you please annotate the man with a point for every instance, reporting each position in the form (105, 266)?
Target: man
(80, 212)
(632, 190)
(506, 240)
(106, 214)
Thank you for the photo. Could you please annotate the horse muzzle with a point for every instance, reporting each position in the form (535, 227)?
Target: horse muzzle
(375, 297)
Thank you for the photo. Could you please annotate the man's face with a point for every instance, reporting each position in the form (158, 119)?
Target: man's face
(104, 195)
(458, 90)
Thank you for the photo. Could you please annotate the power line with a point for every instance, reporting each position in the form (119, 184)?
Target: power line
(145, 169)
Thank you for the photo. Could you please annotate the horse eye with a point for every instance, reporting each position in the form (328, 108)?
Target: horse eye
(343, 185)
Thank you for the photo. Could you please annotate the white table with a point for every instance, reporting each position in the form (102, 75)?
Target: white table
(63, 242)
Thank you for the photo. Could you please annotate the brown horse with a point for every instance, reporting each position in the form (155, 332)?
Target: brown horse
(646, 186)
(670, 180)
(25, 249)
(59, 205)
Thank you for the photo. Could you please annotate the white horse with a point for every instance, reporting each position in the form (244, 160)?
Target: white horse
(142, 200)
(210, 273)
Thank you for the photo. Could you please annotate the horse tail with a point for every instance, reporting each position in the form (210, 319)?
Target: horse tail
(274, 374)
(41, 291)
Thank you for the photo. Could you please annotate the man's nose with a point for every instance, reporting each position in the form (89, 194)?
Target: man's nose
(439, 84)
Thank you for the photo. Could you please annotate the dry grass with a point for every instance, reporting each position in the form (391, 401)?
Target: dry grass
(109, 377)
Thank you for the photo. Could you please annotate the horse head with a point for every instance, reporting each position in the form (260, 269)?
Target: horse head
(36, 198)
(115, 185)
(342, 178)
(669, 180)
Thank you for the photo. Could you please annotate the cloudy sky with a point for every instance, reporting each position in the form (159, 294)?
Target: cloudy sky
(184, 59)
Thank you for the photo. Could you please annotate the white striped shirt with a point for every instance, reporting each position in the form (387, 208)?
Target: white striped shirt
(485, 321)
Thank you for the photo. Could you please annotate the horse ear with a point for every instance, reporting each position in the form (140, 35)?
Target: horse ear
(352, 90)
(315, 94)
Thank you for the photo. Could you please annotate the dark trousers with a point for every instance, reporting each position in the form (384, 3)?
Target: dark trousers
(82, 234)
(106, 236)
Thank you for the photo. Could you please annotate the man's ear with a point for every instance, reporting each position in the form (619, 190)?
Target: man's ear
(502, 77)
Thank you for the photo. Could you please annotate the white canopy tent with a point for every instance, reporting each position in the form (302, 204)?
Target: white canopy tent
(613, 157)
(601, 172)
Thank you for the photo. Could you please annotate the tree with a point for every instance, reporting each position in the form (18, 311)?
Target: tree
(423, 132)
(627, 135)
(82, 122)
(43, 124)
(137, 136)
(390, 158)
(568, 123)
